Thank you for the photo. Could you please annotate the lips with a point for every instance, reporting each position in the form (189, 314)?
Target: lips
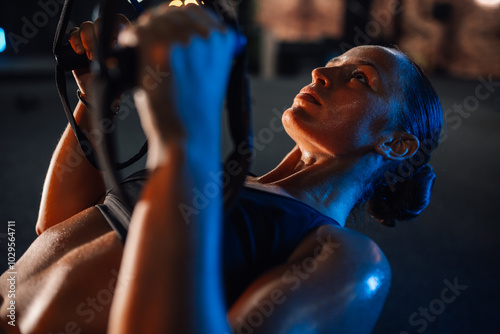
(309, 95)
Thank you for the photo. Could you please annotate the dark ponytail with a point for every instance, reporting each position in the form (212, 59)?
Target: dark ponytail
(403, 190)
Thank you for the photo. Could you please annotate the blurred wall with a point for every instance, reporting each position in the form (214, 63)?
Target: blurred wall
(461, 38)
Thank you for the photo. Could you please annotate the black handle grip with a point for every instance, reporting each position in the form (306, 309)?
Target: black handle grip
(68, 59)
(123, 68)
(123, 73)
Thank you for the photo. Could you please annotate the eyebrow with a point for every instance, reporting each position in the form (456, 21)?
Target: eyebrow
(359, 62)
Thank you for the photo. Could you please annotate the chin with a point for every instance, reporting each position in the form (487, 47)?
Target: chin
(295, 124)
(295, 115)
(290, 120)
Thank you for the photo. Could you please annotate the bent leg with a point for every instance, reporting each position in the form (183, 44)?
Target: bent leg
(67, 276)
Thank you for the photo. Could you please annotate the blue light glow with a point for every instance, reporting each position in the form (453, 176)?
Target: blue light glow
(373, 282)
(3, 43)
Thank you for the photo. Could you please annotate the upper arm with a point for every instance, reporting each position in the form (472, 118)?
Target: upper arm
(336, 281)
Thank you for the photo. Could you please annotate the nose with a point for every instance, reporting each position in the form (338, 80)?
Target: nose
(320, 77)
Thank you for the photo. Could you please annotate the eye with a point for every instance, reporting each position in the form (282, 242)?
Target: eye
(360, 76)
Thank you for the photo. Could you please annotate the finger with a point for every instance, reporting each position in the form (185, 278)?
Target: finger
(194, 22)
(176, 27)
(185, 23)
(87, 35)
(75, 41)
(128, 37)
(208, 17)
(121, 22)
(97, 27)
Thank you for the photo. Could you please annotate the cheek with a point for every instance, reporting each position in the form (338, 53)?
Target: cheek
(355, 127)
(340, 129)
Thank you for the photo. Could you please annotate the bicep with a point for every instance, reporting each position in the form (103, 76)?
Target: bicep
(334, 279)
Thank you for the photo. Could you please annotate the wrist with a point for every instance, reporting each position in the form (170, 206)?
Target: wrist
(84, 99)
(162, 153)
(183, 151)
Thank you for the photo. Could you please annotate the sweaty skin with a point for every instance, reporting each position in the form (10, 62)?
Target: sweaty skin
(76, 275)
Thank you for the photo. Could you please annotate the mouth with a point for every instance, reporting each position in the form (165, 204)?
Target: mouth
(309, 95)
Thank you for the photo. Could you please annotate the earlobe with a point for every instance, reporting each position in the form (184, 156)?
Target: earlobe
(401, 145)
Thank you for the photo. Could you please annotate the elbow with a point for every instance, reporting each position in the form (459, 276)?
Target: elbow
(44, 222)
(41, 225)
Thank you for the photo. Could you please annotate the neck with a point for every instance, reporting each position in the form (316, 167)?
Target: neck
(331, 185)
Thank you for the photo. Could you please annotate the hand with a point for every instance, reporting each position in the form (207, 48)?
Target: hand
(83, 41)
(185, 58)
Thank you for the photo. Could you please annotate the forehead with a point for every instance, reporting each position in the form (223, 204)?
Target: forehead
(390, 63)
(385, 59)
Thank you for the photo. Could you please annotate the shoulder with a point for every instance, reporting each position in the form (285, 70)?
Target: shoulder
(336, 281)
(352, 245)
(363, 265)
(353, 273)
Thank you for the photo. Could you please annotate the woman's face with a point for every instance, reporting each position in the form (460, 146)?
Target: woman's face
(350, 105)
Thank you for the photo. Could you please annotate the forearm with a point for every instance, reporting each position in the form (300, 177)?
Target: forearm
(72, 184)
(171, 263)
(171, 259)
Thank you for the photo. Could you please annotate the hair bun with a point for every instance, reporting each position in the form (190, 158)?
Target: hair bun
(406, 200)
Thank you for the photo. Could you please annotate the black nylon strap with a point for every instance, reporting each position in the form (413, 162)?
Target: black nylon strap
(62, 25)
(68, 60)
(239, 113)
(85, 145)
(238, 104)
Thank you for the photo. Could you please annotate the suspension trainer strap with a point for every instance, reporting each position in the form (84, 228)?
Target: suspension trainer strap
(239, 112)
(85, 145)
(68, 60)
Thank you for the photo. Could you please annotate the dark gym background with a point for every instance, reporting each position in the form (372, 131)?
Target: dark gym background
(455, 241)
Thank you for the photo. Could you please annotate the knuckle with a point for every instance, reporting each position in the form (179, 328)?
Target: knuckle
(86, 25)
(192, 6)
(74, 31)
(122, 19)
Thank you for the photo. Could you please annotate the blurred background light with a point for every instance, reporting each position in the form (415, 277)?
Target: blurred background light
(178, 3)
(3, 43)
(488, 3)
(457, 42)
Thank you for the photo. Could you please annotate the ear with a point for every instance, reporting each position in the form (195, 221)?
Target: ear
(401, 145)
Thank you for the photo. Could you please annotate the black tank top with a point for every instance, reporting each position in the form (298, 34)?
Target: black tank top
(261, 231)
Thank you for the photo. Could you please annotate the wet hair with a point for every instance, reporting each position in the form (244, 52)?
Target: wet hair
(403, 189)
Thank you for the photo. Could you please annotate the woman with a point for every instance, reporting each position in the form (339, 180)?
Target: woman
(288, 263)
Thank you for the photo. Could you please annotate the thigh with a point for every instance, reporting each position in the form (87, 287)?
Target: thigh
(68, 277)
(61, 239)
